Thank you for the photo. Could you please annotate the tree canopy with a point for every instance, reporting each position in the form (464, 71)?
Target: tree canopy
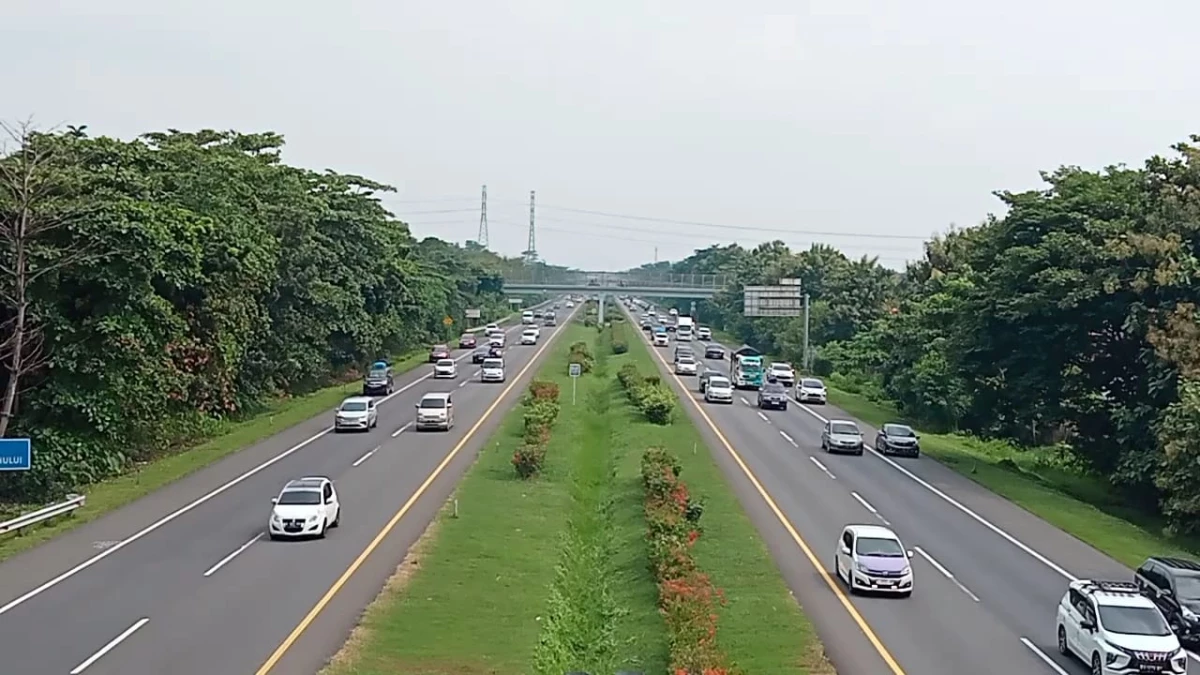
(181, 278)
(1072, 319)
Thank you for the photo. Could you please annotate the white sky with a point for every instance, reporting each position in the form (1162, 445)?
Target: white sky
(855, 117)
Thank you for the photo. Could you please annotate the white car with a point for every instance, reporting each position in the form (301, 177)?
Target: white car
(1116, 630)
(529, 337)
(704, 333)
(783, 373)
(497, 338)
(718, 390)
(811, 390)
(871, 558)
(445, 368)
(306, 507)
(492, 370)
(527, 317)
(661, 340)
(435, 411)
(356, 412)
(570, 304)
(491, 328)
(685, 365)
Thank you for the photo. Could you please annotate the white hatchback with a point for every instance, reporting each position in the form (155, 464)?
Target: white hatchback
(445, 368)
(306, 507)
(871, 558)
(492, 370)
(529, 337)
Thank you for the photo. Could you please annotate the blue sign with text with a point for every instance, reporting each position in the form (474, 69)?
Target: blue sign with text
(16, 454)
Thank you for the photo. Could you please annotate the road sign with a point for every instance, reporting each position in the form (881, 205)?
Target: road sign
(473, 314)
(575, 370)
(16, 454)
(786, 299)
(447, 321)
(515, 301)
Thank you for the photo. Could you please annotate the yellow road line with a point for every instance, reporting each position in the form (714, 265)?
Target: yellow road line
(391, 524)
(834, 584)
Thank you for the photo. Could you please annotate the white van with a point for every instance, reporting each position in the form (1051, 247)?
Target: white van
(527, 318)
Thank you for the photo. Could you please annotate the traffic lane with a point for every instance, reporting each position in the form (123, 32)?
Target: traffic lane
(914, 629)
(65, 552)
(1062, 553)
(113, 588)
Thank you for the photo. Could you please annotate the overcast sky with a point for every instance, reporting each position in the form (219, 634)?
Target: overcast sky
(836, 120)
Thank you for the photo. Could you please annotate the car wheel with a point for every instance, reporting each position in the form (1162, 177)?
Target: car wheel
(860, 452)
(1097, 669)
(1062, 642)
(784, 407)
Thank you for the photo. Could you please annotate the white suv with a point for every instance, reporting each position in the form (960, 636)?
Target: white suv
(871, 558)
(306, 507)
(1116, 630)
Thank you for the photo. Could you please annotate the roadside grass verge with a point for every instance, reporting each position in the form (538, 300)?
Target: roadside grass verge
(762, 628)
(498, 588)
(1040, 481)
(229, 437)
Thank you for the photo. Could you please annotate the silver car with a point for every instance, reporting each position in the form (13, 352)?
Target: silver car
(356, 413)
(685, 365)
(842, 436)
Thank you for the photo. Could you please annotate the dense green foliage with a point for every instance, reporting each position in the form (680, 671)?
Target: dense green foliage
(1070, 321)
(195, 276)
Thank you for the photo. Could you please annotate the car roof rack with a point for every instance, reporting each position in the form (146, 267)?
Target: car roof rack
(1116, 587)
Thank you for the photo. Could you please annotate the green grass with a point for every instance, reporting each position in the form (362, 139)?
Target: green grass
(762, 628)
(1042, 481)
(231, 437)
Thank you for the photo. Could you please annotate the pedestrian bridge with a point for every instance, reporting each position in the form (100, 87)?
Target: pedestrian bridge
(650, 284)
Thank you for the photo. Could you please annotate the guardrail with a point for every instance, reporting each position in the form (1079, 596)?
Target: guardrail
(43, 514)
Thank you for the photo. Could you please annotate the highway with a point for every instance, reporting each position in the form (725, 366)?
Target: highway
(185, 582)
(988, 575)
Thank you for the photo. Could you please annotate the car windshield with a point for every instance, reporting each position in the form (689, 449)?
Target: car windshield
(439, 348)
(354, 406)
(879, 546)
(446, 363)
(299, 497)
(773, 388)
(898, 430)
(433, 403)
(1133, 620)
(1188, 587)
(718, 383)
(467, 336)
(810, 383)
(843, 428)
(378, 372)
(780, 367)
(493, 363)
(687, 360)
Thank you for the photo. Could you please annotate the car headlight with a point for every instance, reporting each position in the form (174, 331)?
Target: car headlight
(275, 518)
(906, 570)
(860, 567)
(313, 518)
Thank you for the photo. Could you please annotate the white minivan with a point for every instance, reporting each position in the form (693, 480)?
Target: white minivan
(527, 317)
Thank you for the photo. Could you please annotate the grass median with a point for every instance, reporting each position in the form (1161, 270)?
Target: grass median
(1039, 481)
(231, 437)
(552, 574)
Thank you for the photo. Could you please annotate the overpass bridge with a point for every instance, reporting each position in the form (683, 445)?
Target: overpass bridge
(645, 284)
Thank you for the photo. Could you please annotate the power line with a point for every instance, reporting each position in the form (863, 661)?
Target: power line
(748, 228)
(421, 213)
(433, 200)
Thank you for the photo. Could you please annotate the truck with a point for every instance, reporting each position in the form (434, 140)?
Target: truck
(684, 329)
(747, 371)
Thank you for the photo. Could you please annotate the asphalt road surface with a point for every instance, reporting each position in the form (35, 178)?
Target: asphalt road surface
(988, 575)
(185, 582)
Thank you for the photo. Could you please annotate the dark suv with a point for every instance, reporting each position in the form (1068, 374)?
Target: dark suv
(1173, 585)
(898, 439)
(378, 381)
(773, 395)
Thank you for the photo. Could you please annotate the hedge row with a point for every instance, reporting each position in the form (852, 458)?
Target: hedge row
(619, 338)
(648, 393)
(686, 596)
(579, 353)
(541, 412)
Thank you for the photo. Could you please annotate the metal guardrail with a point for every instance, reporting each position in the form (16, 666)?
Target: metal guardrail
(618, 279)
(43, 514)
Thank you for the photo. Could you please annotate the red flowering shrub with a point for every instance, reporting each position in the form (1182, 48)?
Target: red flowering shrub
(687, 599)
(528, 459)
(540, 390)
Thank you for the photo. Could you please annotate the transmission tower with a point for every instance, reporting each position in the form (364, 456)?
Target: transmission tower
(531, 254)
(483, 232)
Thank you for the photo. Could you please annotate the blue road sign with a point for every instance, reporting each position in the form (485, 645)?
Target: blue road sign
(16, 454)
(575, 370)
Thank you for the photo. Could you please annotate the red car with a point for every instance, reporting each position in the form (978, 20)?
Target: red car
(467, 341)
(439, 352)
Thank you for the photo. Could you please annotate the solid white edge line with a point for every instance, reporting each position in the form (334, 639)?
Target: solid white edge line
(196, 503)
(865, 503)
(221, 563)
(110, 646)
(1042, 655)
